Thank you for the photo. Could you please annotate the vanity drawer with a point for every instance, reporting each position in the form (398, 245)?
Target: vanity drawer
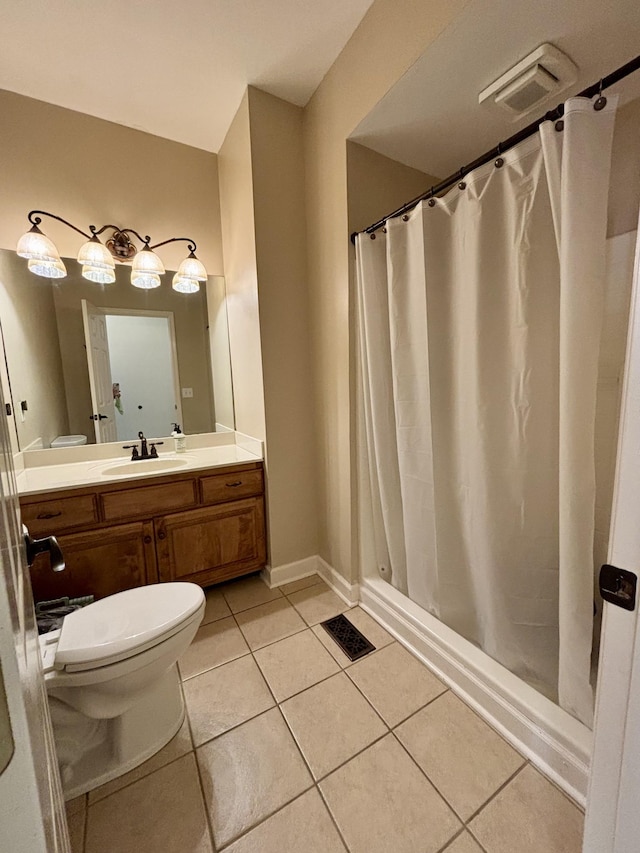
(148, 500)
(48, 517)
(231, 486)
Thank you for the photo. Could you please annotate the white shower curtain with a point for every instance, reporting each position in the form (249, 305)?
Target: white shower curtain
(479, 324)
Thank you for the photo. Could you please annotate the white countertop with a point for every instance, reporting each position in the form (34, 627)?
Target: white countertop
(89, 472)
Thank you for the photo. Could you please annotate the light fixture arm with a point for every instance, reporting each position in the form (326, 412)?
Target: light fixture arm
(191, 245)
(35, 218)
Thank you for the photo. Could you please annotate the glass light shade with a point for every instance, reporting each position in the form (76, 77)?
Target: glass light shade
(47, 268)
(147, 261)
(191, 267)
(98, 275)
(145, 280)
(34, 245)
(185, 283)
(94, 254)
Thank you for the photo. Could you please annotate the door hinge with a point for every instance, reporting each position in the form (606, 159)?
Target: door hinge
(8, 409)
(618, 586)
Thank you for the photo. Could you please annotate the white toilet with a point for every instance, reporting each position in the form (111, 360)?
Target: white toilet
(69, 441)
(113, 683)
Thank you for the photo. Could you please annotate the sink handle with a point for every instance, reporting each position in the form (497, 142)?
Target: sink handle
(41, 546)
(153, 453)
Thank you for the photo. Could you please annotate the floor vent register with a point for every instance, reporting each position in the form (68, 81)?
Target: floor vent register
(354, 644)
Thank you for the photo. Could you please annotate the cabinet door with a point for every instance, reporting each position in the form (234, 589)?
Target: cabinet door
(99, 563)
(212, 544)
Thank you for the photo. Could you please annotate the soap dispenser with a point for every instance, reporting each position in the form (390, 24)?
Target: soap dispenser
(179, 439)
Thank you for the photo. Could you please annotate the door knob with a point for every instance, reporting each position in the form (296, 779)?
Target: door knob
(42, 546)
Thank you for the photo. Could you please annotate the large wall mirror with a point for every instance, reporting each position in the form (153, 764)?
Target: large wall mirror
(107, 361)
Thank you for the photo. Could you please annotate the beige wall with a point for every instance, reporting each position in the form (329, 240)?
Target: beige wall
(278, 191)
(33, 355)
(240, 267)
(397, 32)
(377, 185)
(92, 171)
(624, 195)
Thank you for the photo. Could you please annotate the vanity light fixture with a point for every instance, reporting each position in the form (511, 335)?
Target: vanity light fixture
(98, 259)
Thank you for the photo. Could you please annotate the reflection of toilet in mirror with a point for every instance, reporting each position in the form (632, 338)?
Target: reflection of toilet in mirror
(112, 680)
(69, 441)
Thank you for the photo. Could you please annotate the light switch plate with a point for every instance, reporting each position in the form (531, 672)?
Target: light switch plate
(187, 392)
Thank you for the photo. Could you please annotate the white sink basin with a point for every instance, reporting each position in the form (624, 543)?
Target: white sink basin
(143, 466)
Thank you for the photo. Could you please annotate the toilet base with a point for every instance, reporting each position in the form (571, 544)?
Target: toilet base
(131, 739)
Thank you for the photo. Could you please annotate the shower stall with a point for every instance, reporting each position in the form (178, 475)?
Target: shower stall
(491, 325)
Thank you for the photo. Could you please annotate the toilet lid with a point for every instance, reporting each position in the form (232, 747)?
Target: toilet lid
(121, 623)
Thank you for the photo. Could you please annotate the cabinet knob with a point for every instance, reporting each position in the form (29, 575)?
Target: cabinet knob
(162, 535)
(147, 540)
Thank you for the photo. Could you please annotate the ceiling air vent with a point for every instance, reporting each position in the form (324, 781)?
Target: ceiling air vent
(544, 73)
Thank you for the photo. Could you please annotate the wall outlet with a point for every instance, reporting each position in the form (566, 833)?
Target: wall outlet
(187, 392)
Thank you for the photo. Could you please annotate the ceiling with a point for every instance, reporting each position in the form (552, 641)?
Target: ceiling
(431, 118)
(176, 70)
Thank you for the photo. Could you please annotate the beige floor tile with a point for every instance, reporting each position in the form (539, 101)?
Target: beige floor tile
(382, 802)
(249, 773)
(303, 583)
(317, 603)
(331, 722)
(177, 746)
(368, 626)
(224, 697)
(163, 811)
(295, 663)
(529, 815)
(215, 607)
(464, 758)
(248, 592)
(395, 682)
(76, 825)
(213, 645)
(304, 826)
(269, 623)
(464, 843)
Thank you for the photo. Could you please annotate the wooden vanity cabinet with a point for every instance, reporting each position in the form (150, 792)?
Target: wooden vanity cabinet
(205, 527)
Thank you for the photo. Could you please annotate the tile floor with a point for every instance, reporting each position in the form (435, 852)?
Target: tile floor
(289, 747)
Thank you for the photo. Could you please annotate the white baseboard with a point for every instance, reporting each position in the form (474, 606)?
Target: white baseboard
(348, 592)
(554, 741)
(315, 565)
(290, 572)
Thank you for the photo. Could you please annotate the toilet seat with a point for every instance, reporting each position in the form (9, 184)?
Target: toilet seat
(125, 624)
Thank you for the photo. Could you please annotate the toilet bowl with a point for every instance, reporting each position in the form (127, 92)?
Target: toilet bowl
(112, 680)
(69, 441)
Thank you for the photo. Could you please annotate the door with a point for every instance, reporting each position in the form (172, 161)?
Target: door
(100, 381)
(613, 807)
(32, 807)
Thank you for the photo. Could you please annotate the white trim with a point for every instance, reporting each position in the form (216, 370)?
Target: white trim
(554, 741)
(279, 575)
(315, 565)
(348, 592)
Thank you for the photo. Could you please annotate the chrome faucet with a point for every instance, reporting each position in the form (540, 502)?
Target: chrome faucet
(144, 452)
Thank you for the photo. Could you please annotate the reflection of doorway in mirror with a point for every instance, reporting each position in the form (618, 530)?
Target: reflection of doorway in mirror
(142, 356)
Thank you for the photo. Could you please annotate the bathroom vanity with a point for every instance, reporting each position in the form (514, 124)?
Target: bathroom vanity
(203, 525)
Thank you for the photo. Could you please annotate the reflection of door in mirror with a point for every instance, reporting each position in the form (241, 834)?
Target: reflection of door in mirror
(100, 382)
(144, 368)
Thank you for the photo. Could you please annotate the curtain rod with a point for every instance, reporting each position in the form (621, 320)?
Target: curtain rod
(552, 115)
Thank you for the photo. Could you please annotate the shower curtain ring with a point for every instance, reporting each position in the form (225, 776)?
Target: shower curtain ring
(432, 201)
(499, 162)
(462, 185)
(600, 102)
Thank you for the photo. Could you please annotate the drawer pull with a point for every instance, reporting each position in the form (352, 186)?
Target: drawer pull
(49, 514)
(234, 484)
